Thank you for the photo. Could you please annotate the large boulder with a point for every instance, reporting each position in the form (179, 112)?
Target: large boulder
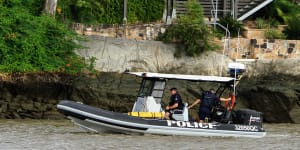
(277, 96)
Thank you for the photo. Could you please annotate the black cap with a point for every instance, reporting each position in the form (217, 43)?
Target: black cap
(173, 89)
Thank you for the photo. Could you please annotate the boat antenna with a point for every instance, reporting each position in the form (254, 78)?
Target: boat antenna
(235, 68)
(225, 46)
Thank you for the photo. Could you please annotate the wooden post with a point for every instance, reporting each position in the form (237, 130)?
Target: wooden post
(169, 11)
(169, 7)
(236, 9)
(164, 17)
(174, 9)
(50, 7)
(224, 8)
(125, 12)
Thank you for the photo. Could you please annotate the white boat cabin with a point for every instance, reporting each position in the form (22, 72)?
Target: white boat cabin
(153, 86)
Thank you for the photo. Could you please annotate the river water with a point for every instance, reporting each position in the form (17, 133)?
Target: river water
(62, 134)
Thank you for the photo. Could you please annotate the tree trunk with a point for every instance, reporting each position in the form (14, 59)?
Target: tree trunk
(50, 7)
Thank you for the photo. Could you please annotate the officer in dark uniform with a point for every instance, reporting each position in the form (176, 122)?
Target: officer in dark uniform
(207, 101)
(175, 103)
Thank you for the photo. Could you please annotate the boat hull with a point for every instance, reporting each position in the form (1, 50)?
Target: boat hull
(99, 120)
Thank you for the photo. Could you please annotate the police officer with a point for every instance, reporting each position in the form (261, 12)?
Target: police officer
(175, 103)
(207, 101)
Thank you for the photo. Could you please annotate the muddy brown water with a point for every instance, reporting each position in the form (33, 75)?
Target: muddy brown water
(63, 135)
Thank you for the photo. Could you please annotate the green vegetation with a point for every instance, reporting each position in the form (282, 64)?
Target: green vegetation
(293, 29)
(33, 7)
(270, 25)
(190, 30)
(261, 23)
(282, 10)
(31, 41)
(109, 11)
(232, 25)
(272, 33)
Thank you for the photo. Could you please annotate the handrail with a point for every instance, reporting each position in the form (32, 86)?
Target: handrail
(255, 9)
(227, 36)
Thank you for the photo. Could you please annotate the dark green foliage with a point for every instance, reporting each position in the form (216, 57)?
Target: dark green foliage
(293, 29)
(33, 43)
(145, 10)
(190, 30)
(33, 6)
(285, 12)
(231, 24)
(110, 11)
(282, 10)
(91, 66)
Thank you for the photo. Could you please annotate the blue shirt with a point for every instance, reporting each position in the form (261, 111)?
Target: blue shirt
(176, 98)
(208, 100)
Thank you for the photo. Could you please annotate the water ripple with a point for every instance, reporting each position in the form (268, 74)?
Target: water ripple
(63, 135)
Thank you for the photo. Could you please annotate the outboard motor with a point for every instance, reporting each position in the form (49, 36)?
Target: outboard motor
(248, 117)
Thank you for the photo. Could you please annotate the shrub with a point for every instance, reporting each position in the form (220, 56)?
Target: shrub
(274, 34)
(293, 29)
(232, 25)
(282, 10)
(35, 7)
(189, 30)
(32, 43)
(261, 23)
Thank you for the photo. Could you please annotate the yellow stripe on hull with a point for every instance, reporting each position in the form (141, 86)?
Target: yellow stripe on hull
(147, 114)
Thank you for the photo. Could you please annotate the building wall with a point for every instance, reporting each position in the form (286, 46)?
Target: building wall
(265, 49)
(135, 32)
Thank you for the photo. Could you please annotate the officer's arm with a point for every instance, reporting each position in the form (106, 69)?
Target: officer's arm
(225, 99)
(173, 106)
(197, 101)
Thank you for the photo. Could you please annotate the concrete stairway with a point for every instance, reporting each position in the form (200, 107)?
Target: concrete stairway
(206, 5)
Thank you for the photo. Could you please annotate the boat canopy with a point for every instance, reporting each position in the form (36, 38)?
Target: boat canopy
(183, 77)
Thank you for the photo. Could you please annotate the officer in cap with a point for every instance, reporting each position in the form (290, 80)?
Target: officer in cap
(175, 103)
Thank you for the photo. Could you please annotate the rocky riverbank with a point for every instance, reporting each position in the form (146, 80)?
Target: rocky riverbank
(36, 95)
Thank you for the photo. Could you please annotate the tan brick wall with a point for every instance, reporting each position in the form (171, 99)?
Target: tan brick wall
(137, 32)
(255, 48)
(264, 49)
(254, 33)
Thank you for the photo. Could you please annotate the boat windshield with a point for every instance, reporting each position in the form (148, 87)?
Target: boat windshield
(151, 87)
(145, 89)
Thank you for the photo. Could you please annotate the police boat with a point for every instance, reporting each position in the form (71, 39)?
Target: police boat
(147, 113)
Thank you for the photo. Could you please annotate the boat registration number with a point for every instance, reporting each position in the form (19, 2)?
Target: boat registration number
(246, 128)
